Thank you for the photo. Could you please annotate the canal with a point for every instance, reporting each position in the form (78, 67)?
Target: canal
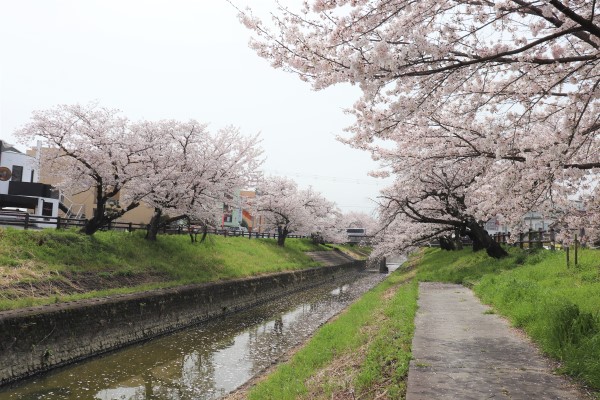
(202, 362)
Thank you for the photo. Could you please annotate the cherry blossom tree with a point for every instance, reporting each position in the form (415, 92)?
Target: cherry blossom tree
(92, 147)
(196, 171)
(435, 201)
(288, 209)
(511, 86)
(176, 167)
(325, 218)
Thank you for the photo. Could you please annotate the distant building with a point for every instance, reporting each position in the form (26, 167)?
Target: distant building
(356, 235)
(236, 213)
(20, 187)
(83, 204)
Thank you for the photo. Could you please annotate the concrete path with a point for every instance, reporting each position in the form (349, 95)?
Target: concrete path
(460, 352)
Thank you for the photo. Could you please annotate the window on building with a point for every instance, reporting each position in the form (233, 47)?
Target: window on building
(17, 173)
(47, 208)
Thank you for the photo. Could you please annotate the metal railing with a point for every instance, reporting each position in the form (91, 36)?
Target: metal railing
(73, 210)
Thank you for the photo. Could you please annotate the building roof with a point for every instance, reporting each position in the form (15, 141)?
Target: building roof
(9, 147)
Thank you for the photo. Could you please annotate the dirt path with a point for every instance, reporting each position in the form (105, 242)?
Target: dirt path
(462, 351)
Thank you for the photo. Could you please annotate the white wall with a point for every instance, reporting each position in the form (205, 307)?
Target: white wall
(9, 158)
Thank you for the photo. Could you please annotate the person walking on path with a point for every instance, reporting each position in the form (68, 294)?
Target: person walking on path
(462, 351)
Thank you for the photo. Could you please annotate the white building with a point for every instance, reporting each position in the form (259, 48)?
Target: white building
(19, 187)
(531, 220)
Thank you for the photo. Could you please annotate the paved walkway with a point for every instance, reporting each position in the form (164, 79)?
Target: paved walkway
(460, 352)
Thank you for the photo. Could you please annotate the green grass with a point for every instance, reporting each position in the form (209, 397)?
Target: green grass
(43, 257)
(558, 306)
(385, 360)
(358, 252)
(389, 354)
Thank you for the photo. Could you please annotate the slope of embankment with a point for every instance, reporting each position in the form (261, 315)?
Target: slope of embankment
(49, 266)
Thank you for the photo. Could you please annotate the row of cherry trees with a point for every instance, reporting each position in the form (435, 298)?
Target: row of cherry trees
(180, 169)
(288, 209)
(478, 108)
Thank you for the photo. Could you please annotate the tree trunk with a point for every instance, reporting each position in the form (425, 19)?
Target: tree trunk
(97, 221)
(283, 232)
(482, 240)
(457, 240)
(383, 268)
(92, 226)
(446, 243)
(154, 225)
(204, 232)
(317, 238)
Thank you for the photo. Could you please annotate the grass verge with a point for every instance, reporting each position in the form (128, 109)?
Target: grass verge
(41, 267)
(355, 251)
(362, 352)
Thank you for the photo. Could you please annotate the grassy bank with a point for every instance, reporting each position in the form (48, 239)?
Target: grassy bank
(40, 267)
(364, 353)
(353, 250)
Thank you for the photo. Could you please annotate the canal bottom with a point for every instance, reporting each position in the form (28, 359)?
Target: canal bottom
(205, 361)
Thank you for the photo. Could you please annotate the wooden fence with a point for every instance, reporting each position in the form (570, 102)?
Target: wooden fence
(542, 239)
(27, 221)
(533, 239)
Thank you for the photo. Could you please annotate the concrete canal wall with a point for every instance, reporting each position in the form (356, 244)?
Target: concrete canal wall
(37, 339)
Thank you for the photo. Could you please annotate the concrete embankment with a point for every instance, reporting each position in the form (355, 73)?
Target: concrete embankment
(41, 338)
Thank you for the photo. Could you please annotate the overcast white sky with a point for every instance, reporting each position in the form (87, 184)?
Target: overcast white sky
(178, 59)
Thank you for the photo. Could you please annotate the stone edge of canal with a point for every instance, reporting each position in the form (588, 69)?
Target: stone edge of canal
(38, 339)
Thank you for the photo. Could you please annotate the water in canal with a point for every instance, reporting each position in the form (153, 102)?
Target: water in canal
(202, 362)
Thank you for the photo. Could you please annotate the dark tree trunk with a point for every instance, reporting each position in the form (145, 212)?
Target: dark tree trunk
(317, 238)
(383, 268)
(92, 226)
(98, 219)
(101, 217)
(282, 234)
(204, 232)
(457, 240)
(154, 225)
(446, 243)
(482, 240)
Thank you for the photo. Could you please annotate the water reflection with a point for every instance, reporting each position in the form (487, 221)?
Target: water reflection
(203, 362)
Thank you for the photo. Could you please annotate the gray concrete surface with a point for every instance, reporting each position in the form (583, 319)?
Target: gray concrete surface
(330, 258)
(462, 352)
